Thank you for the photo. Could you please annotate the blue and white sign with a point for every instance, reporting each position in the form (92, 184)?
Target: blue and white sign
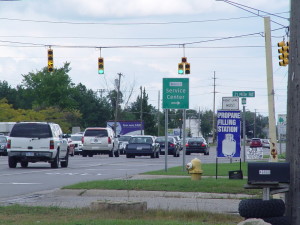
(229, 133)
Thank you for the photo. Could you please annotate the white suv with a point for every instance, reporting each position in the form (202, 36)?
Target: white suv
(99, 140)
(37, 142)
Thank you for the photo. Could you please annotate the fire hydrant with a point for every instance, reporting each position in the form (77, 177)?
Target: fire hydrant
(194, 168)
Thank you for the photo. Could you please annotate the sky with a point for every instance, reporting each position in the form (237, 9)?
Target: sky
(145, 40)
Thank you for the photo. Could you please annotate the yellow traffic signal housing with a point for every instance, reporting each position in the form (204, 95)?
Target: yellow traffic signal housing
(284, 53)
(50, 60)
(100, 65)
(180, 68)
(184, 60)
(187, 68)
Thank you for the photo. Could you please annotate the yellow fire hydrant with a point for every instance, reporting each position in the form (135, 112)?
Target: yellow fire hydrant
(194, 168)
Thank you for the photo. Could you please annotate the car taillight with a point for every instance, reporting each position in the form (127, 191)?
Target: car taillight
(51, 144)
(82, 140)
(172, 145)
(187, 145)
(203, 145)
(109, 140)
(8, 144)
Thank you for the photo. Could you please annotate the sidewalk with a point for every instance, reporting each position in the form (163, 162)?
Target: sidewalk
(212, 202)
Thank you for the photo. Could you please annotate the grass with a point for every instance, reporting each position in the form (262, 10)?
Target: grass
(209, 169)
(209, 185)
(16, 215)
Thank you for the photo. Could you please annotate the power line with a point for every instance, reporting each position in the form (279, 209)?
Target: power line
(125, 24)
(178, 45)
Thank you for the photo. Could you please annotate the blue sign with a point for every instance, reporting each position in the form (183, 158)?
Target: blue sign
(229, 133)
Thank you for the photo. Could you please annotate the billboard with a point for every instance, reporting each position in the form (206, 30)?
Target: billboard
(229, 133)
(127, 127)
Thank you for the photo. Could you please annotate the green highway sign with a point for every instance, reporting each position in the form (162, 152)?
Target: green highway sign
(175, 93)
(243, 94)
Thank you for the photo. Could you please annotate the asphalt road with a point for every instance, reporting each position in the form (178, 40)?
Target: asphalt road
(40, 176)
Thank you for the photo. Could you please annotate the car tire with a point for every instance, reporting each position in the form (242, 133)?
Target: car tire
(91, 155)
(117, 153)
(65, 163)
(281, 220)
(111, 153)
(157, 154)
(55, 162)
(127, 156)
(153, 155)
(24, 164)
(178, 154)
(12, 163)
(258, 208)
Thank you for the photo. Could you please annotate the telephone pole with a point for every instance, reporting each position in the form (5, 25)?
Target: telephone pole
(141, 113)
(293, 116)
(117, 102)
(214, 106)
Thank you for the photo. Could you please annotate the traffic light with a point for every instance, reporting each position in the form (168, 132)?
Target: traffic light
(187, 68)
(284, 53)
(180, 68)
(100, 65)
(50, 60)
(184, 60)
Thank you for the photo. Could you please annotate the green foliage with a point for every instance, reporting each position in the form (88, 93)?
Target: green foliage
(51, 114)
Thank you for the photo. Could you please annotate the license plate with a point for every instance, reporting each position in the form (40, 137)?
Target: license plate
(139, 148)
(162, 149)
(29, 154)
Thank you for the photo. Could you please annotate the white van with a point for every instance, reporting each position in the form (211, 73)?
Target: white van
(99, 140)
(37, 142)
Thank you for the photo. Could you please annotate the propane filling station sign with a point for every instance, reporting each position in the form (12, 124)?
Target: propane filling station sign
(229, 133)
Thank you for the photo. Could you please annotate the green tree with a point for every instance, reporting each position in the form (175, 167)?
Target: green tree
(50, 89)
(206, 118)
(148, 113)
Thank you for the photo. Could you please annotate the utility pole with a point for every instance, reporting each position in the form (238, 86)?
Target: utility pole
(141, 113)
(254, 125)
(271, 104)
(117, 102)
(214, 106)
(293, 116)
(158, 104)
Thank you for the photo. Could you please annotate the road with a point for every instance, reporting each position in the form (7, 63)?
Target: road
(40, 177)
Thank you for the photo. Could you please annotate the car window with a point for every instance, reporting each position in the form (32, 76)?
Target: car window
(162, 139)
(95, 132)
(76, 138)
(124, 138)
(3, 139)
(196, 139)
(31, 130)
(140, 140)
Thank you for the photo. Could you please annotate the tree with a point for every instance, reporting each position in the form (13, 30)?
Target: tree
(148, 113)
(50, 89)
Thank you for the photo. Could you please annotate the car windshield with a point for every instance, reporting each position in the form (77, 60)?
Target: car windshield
(140, 140)
(96, 132)
(76, 138)
(31, 130)
(124, 138)
(162, 139)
